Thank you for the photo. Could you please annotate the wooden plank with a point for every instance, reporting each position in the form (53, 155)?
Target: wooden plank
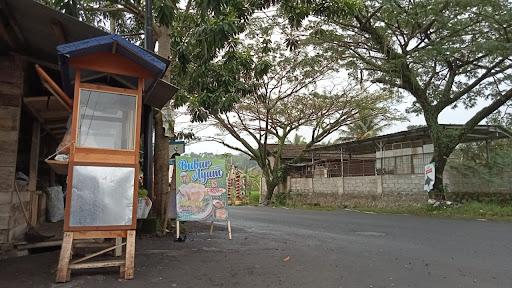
(8, 70)
(99, 253)
(63, 270)
(9, 118)
(7, 175)
(10, 99)
(97, 264)
(57, 126)
(33, 170)
(58, 31)
(99, 234)
(4, 222)
(130, 255)
(9, 137)
(59, 167)
(54, 88)
(44, 103)
(41, 209)
(84, 243)
(5, 197)
(8, 151)
(106, 158)
(53, 115)
(9, 89)
(119, 249)
(44, 244)
(110, 63)
(34, 156)
(105, 88)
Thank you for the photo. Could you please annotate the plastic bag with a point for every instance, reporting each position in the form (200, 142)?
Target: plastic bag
(55, 204)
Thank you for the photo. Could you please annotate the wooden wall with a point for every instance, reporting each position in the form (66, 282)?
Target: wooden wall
(12, 225)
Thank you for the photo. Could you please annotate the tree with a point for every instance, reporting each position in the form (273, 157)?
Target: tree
(286, 98)
(194, 36)
(368, 125)
(444, 53)
(297, 140)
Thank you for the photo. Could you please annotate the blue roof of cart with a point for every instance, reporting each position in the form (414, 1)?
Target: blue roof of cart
(151, 62)
(146, 59)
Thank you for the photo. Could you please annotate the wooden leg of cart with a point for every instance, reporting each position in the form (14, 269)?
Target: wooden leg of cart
(130, 255)
(63, 270)
(126, 265)
(177, 229)
(119, 250)
(211, 228)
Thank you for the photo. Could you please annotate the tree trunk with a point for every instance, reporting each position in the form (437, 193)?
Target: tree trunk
(444, 142)
(161, 158)
(271, 186)
(161, 163)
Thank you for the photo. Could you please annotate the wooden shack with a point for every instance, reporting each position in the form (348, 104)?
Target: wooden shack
(33, 120)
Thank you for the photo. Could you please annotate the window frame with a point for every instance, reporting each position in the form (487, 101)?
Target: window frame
(86, 156)
(110, 90)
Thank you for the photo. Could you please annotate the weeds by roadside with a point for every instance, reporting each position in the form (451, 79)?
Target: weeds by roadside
(469, 210)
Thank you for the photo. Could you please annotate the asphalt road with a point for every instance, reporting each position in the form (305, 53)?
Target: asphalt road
(276, 247)
(349, 249)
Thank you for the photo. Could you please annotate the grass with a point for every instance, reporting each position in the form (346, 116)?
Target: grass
(254, 198)
(311, 207)
(470, 210)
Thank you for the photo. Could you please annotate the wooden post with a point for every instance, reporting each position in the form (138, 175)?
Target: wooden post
(119, 249)
(229, 230)
(130, 255)
(177, 229)
(211, 228)
(34, 163)
(63, 271)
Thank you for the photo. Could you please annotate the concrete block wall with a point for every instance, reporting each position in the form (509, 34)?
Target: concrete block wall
(363, 185)
(371, 191)
(475, 183)
(410, 183)
(326, 185)
(301, 185)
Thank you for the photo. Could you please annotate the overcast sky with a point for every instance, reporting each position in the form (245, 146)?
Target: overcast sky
(449, 116)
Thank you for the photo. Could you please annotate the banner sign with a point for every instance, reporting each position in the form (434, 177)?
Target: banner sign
(201, 193)
(430, 176)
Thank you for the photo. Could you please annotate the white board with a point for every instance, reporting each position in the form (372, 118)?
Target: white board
(430, 176)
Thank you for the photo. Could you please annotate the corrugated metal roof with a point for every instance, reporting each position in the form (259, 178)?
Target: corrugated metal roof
(479, 133)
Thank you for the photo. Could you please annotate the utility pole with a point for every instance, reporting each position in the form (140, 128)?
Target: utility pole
(148, 111)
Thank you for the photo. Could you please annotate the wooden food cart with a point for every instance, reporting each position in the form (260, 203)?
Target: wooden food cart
(108, 78)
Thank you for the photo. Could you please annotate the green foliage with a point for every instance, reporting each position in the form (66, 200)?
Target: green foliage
(143, 193)
(297, 140)
(470, 160)
(164, 12)
(254, 197)
(280, 199)
(442, 53)
(370, 124)
(290, 95)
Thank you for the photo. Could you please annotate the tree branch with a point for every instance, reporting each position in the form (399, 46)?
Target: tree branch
(485, 112)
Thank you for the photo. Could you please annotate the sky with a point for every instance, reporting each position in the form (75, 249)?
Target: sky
(448, 116)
